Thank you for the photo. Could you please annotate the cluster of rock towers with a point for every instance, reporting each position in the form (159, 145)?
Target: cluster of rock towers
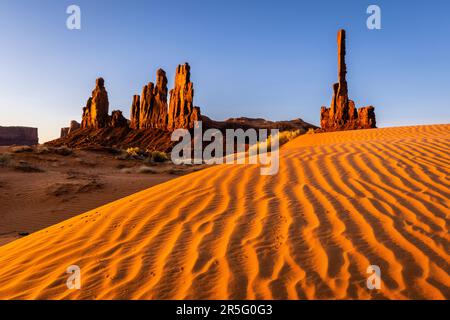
(151, 109)
(342, 114)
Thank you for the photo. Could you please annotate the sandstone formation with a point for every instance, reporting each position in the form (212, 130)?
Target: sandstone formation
(342, 114)
(74, 125)
(117, 120)
(182, 113)
(150, 110)
(64, 132)
(153, 108)
(135, 112)
(95, 114)
(18, 136)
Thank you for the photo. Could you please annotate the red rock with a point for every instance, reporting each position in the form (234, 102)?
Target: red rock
(135, 112)
(159, 111)
(95, 114)
(117, 120)
(74, 125)
(153, 112)
(342, 114)
(182, 112)
(366, 116)
(153, 107)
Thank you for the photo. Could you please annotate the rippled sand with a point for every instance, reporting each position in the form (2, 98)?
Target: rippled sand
(341, 202)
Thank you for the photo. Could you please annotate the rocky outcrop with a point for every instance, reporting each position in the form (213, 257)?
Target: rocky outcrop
(342, 114)
(117, 120)
(74, 125)
(23, 136)
(64, 132)
(95, 114)
(135, 112)
(150, 110)
(158, 117)
(182, 113)
(153, 107)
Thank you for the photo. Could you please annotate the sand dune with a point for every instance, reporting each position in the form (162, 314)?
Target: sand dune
(341, 202)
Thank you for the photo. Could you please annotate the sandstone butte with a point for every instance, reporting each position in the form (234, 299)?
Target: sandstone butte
(342, 114)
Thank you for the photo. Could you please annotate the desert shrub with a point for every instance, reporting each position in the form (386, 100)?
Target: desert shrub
(126, 170)
(133, 152)
(42, 150)
(145, 169)
(177, 172)
(5, 159)
(26, 167)
(286, 136)
(21, 149)
(283, 138)
(63, 151)
(123, 156)
(311, 131)
(158, 156)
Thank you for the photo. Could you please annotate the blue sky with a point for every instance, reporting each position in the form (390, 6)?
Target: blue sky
(258, 58)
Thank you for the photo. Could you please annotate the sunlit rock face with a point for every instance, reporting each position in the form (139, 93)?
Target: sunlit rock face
(342, 113)
(95, 114)
(151, 110)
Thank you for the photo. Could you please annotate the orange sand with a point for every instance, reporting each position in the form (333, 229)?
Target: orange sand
(341, 202)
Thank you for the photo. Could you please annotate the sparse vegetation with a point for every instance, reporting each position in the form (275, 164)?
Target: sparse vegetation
(5, 159)
(24, 166)
(63, 151)
(21, 149)
(283, 138)
(147, 170)
(157, 156)
(133, 152)
(42, 150)
(126, 170)
(311, 131)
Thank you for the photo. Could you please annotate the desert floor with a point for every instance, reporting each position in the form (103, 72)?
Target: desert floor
(40, 189)
(341, 202)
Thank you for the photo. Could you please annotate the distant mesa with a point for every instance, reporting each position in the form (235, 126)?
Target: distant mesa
(23, 136)
(342, 114)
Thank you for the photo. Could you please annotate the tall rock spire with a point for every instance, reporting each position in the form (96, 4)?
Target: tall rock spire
(182, 113)
(342, 114)
(151, 109)
(95, 114)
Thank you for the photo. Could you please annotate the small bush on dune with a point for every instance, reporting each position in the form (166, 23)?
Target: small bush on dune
(283, 138)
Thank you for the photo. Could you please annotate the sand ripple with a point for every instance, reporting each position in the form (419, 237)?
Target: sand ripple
(341, 202)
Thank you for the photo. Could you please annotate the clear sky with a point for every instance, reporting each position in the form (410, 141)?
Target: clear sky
(271, 59)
